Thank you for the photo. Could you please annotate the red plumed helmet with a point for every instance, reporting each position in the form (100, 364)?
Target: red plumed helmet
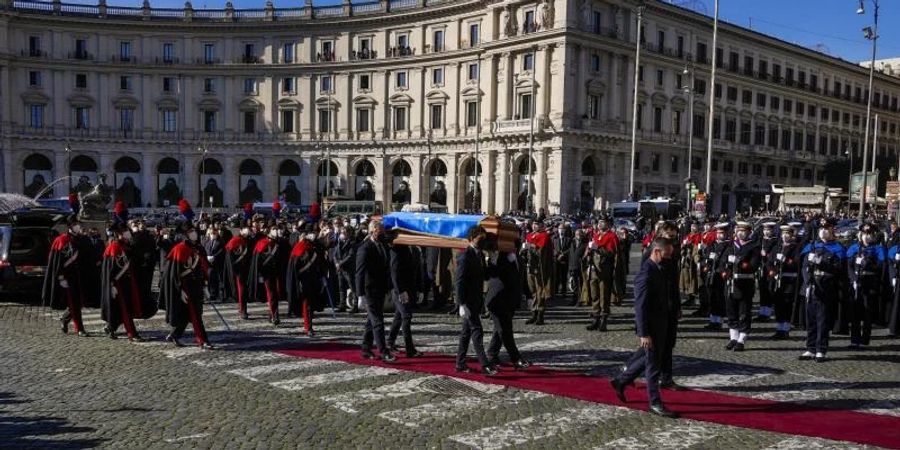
(248, 207)
(73, 198)
(276, 206)
(183, 206)
(120, 207)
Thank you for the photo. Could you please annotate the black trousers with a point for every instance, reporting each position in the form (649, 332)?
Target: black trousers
(503, 335)
(471, 331)
(738, 306)
(863, 311)
(215, 281)
(375, 325)
(784, 305)
(647, 362)
(717, 298)
(819, 320)
(402, 320)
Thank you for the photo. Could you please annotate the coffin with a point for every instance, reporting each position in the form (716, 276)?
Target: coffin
(447, 230)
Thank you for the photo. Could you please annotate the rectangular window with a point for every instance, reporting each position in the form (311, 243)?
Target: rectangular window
(125, 51)
(641, 74)
(287, 86)
(770, 171)
(795, 172)
(720, 58)
(471, 114)
(700, 87)
(761, 100)
(788, 106)
(676, 122)
(287, 121)
(364, 82)
(209, 121)
(785, 139)
(699, 126)
(717, 128)
(250, 86)
(732, 93)
(717, 90)
(640, 117)
(437, 41)
(679, 46)
(701, 53)
(325, 84)
(763, 69)
(473, 71)
(696, 163)
(525, 106)
(593, 107)
(474, 36)
(82, 118)
(782, 172)
(596, 22)
(168, 53)
(287, 52)
(773, 137)
(249, 122)
(654, 162)
(167, 84)
(798, 140)
(437, 116)
(81, 49)
(126, 119)
(745, 133)
(657, 120)
(249, 53)
(437, 76)
(362, 120)
(125, 82)
(528, 61)
(733, 61)
(401, 79)
(209, 85)
(731, 130)
(169, 120)
(209, 53)
(403, 41)
(324, 121)
(36, 116)
(660, 77)
(811, 111)
(34, 78)
(748, 65)
(759, 136)
(776, 72)
(776, 103)
(742, 168)
(728, 166)
(400, 118)
(746, 97)
(529, 26)
(661, 41)
(81, 81)
(34, 46)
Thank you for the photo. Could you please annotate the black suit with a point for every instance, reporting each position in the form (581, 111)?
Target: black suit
(373, 278)
(469, 287)
(653, 318)
(503, 296)
(561, 247)
(215, 248)
(403, 270)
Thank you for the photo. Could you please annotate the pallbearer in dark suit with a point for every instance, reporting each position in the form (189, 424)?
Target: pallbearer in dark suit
(403, 271)
(469, 287)
(373, 283)
(653, 317)
(504, 294)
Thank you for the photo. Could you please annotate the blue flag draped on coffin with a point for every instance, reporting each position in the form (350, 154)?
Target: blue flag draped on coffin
(446, 230)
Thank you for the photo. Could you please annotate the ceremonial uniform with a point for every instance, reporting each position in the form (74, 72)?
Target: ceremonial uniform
(62, 288)
(782, 270)
(892, 307)
(600, 261)
(688, 279)
(766, 246)
(823, 265)
(304, 283)
(268, 271)
(539, 260)
(182, 291)
(713, 258)
(237, 269)
(866, 269)
(120, 298)
(738, 267)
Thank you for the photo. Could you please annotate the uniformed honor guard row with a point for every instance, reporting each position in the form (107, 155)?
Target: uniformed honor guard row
(792, 270)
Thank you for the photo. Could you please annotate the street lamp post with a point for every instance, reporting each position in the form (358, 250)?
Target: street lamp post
(871, 33)
(68, 150)
(634, 106)
(689, 89)
(530, 206)
(712, 107)
(202, 149)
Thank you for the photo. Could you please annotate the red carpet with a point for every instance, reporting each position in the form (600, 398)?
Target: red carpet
(789, 418)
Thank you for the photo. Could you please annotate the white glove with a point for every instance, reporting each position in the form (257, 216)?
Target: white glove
(464, 312)
(897, 257)
(779, 256)
(210, 258)
(811, 257)
(261, 280)
(818, 259)
(361, 302)
(855, 286)
(403, 297)
(893, 282)
(731, 258)
(762, 253)
(64, 284)
(859, 260)
(592, 245)
(206, 292)
(114, 291)
(184, 296)
(712, 255)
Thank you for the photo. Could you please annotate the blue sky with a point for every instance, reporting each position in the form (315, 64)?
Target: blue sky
(831, 26)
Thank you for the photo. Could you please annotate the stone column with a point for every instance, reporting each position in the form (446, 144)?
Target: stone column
(452, 183)
(540, 184)
(542, 68)
(501, 178)
(189, 187)
(148, 177)
(230, 196)
(504, 87)
(270, 178)
(613, 91)
(382, 189)
(415, 178)
(487, 180)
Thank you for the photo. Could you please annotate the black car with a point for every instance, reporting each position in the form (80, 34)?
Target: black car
(25, 238)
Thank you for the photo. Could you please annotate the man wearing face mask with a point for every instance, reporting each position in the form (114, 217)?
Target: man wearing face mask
(403, 291)
(707, 239)
(182, 287)
(600, 260)
(143, 259)
(866, 266)
(236, 268)
(576, 253)
(690, 248)
(766, 247)
(738, 268)
(267, 272)
(782, 269)
(344, 261)
(215, 251)
(469, 288)
(653, 316)
(892, 304)
(373, 278)
(62, 281)
(620, 273)
(303, 281)
(538, 252)
(120, 300)
(504, 292)
(562, 243)
(823, 267)
(715, 283)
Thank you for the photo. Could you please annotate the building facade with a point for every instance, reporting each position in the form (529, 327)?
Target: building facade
(470, 103)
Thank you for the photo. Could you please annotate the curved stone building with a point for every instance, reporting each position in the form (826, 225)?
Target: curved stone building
(396, 100)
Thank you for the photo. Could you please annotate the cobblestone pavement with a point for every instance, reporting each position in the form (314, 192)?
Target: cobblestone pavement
(62, 391)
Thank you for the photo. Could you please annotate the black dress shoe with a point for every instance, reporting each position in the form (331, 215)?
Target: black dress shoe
(174, 340)
(388, 358)
(821, 359)
(414, 354)
(661, 410)
(463, 369)
(595, 325)
(245, 316)
(672, 386)
(368, 355)
(522, 364)
(393, 348)
(489, 371)
(83, 333)
(731, 344)
(495, 361)
(310, 333)
(533, 318)
(540, 318)
(739, 347)
(619, 389)
(112, 335)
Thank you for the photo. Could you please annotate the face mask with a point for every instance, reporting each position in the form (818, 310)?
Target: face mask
(343, 237)
(312, 237)
(135, 229)
(192, 235)
(511, 257)
(245, 232)
(868, 239)
(720, 236)
(786, 238)
(165, 236)
(767, 233)
(742, 235)
(562, 232)
(126, 235)
(76, 229)
(825, 234)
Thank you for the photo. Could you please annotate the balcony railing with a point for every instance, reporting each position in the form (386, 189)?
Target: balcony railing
(361, 55)
(396, 52)
(229, 14)
(516, 126)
